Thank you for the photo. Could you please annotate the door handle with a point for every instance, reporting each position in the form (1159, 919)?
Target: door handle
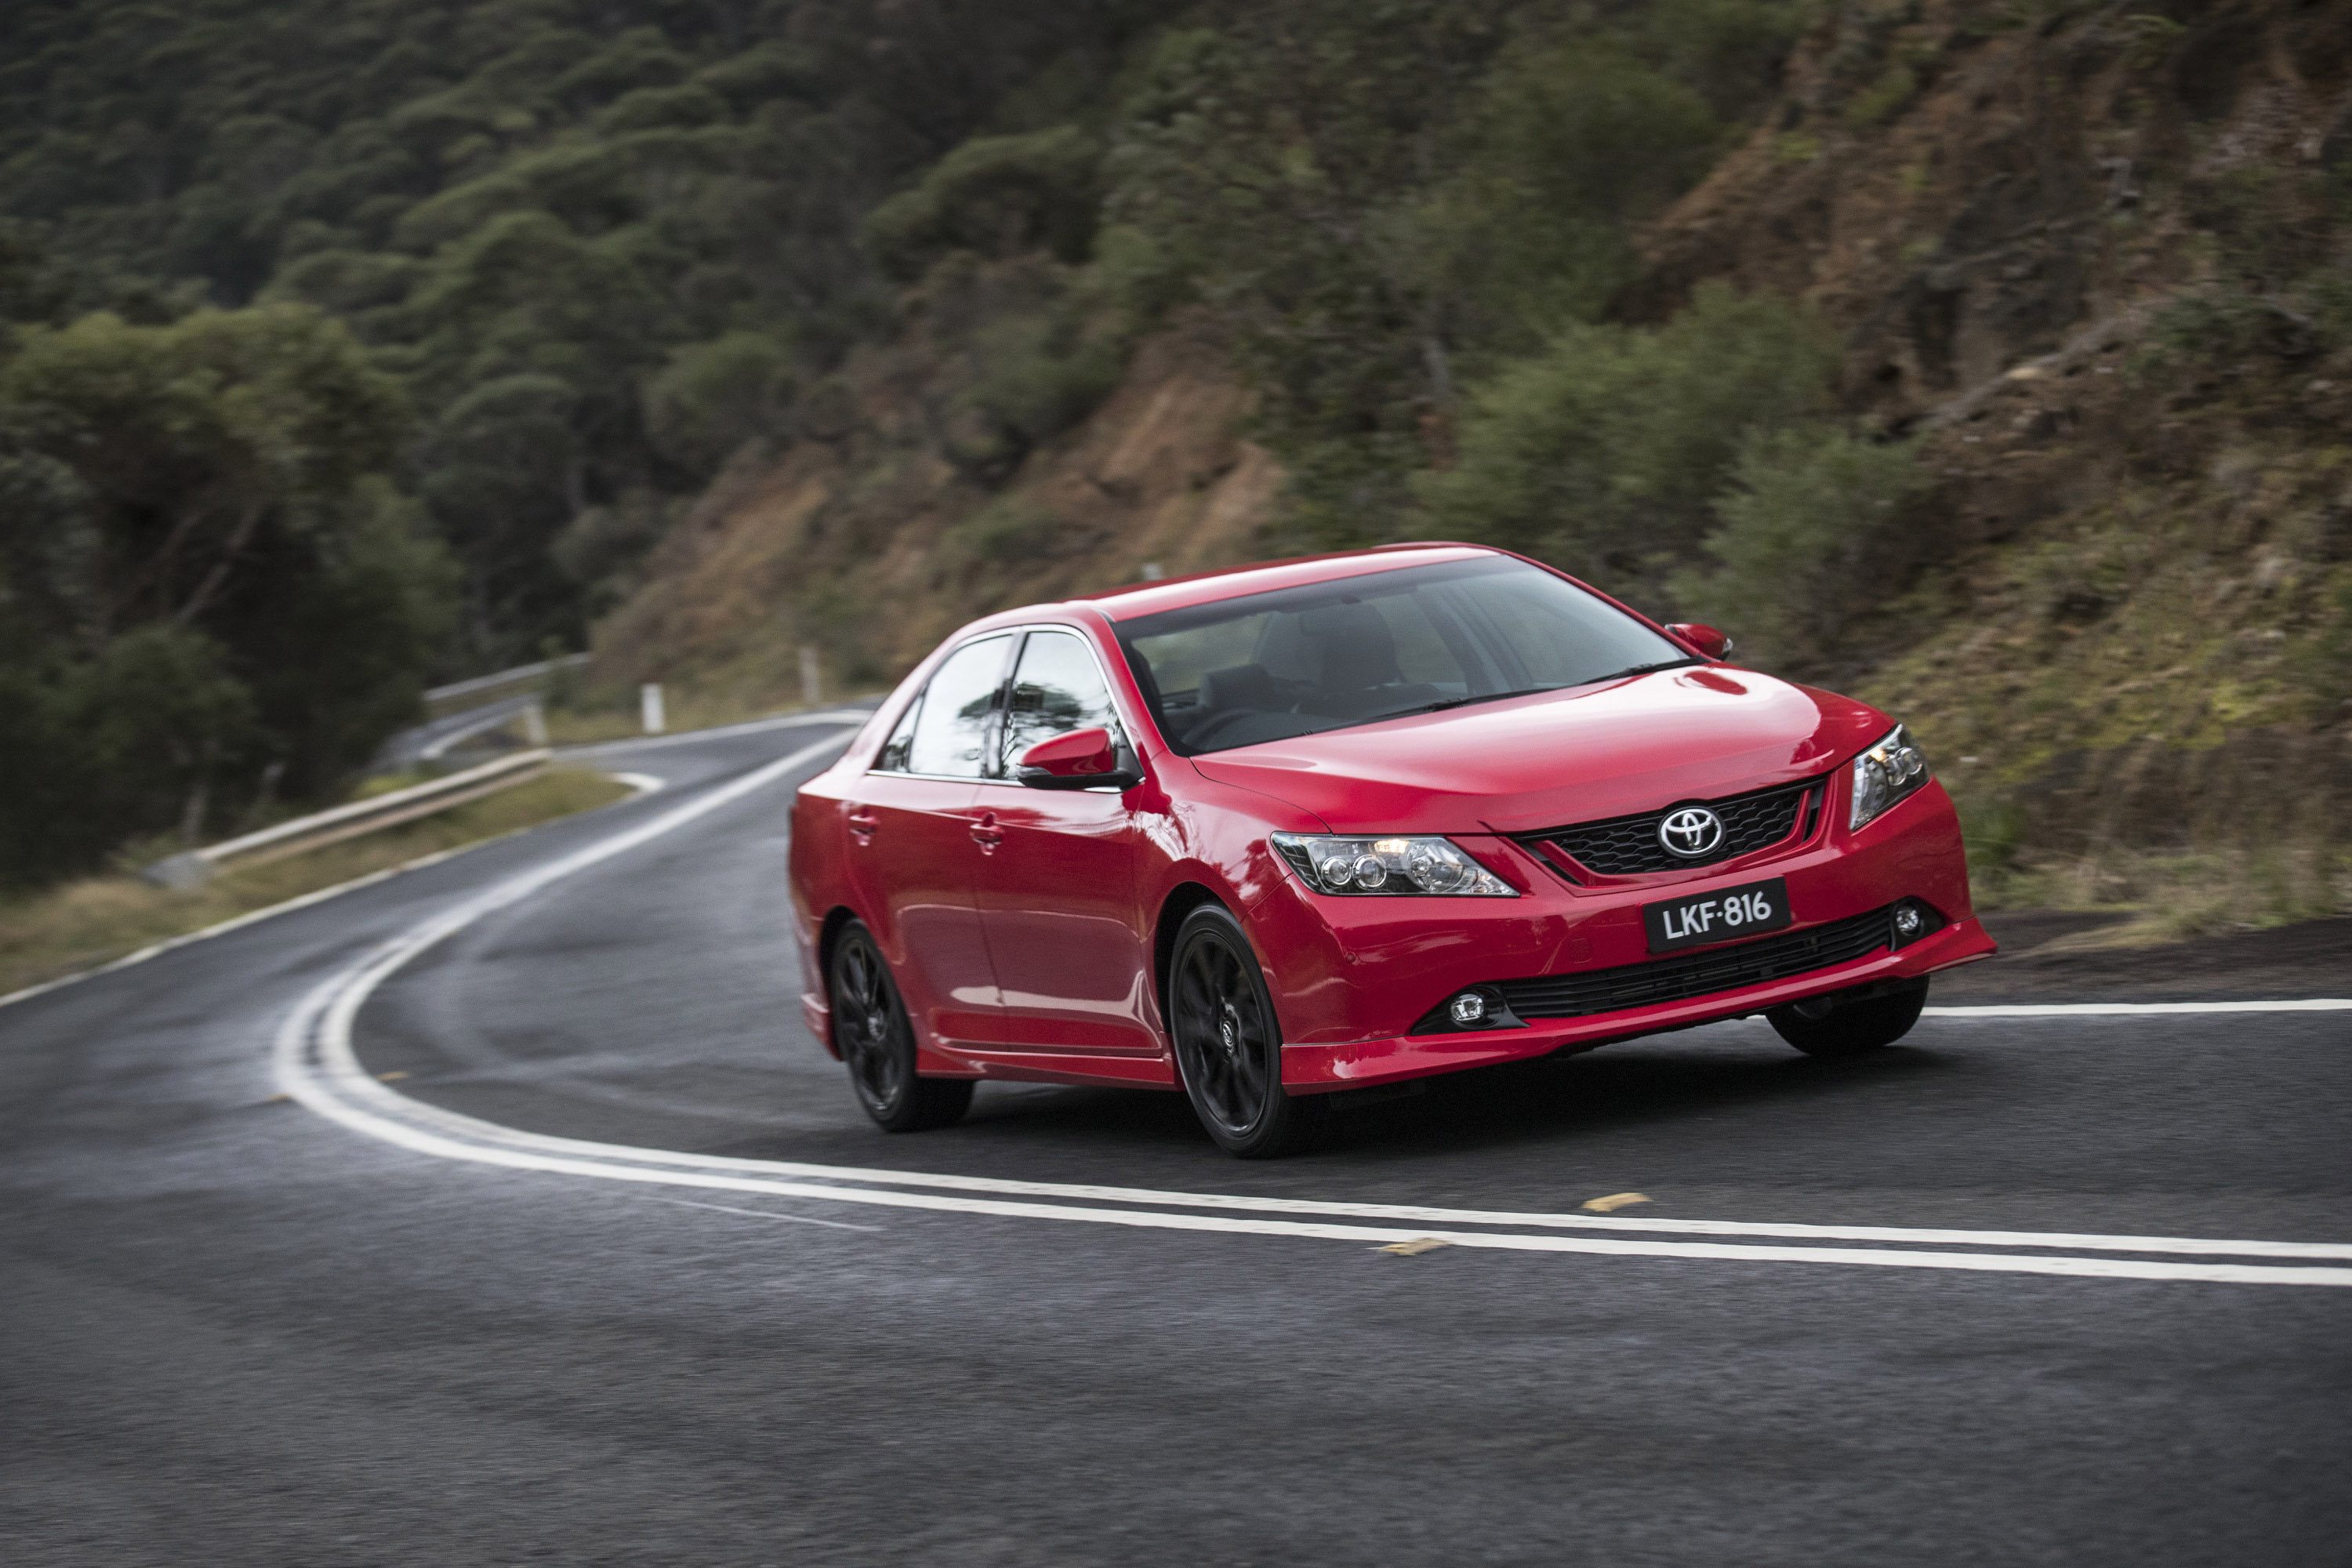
(862, 823)
(986, 834)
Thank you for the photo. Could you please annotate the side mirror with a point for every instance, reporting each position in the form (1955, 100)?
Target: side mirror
(1082, 759)
(1710, 643)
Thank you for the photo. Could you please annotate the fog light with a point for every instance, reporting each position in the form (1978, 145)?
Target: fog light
(1909, 922)
(1468, 1008)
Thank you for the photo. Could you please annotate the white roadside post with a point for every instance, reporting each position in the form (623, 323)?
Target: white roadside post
(812, 677)
(649, 706)
(534, 722)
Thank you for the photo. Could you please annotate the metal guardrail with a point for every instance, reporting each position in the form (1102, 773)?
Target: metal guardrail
(194, 868)
(437, 697)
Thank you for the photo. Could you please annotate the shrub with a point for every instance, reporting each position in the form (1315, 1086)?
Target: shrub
(1041, 375)
(998, 196)
(713, 396)
(1811, 512)
(1010, 532)
(1603, 452)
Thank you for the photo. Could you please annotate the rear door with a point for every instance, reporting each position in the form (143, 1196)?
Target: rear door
(912, 822)
(1057, 892)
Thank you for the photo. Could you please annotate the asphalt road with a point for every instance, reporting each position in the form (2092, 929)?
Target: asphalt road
(239, 1331)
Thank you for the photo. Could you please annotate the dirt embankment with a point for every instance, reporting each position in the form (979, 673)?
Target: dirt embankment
(907, 545)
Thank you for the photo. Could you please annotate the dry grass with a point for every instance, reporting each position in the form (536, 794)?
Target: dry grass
(2170, 897)
(100, 918)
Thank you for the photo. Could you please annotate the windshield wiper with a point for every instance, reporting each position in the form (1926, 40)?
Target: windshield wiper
(1459, 702)
(1442, 704)
(1638, 670)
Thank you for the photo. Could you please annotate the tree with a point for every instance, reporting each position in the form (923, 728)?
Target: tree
(204, 574)
(189, 441)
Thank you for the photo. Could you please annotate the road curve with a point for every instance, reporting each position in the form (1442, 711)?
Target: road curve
(571, 1246)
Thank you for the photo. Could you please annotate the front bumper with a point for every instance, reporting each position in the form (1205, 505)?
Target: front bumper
(1355, 979)
(1309, 1068)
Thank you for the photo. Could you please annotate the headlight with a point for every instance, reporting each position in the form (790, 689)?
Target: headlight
(1411, 866)
(1886, 773)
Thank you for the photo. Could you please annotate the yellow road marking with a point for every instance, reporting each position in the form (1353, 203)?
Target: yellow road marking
(1614, 1201)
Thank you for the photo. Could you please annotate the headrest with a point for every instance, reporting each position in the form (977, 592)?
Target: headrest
(1353, 646)
(1244, 685)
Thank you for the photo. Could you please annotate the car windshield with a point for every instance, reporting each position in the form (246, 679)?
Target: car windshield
(1266, 667)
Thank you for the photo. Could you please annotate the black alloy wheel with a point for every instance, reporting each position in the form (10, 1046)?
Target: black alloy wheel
(1849, 1028)
(1228, 1044)
(877, 1044)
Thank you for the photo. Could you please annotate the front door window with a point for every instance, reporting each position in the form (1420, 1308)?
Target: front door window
(1059, 687)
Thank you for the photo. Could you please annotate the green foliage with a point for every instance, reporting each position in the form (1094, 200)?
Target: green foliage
(125, 741)
(1041, 375)
(2324, 658)
(1811, 527)
(489, 190)
(1288, 161)
(713, 396)
(999, 195)
(1883, 99)
(2221, 323)
(1604, 451)
(1727, 51)
(1006, 532)
(1378, 202)
(2279, 287)
(1568, 148)
(206, 580)
(2153, 37)
(194, 441)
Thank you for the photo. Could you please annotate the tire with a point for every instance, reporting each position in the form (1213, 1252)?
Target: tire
(1849, 1028)
(877, 1042)
(1229, 1043)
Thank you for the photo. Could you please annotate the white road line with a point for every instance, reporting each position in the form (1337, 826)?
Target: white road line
(2133, 1009)
(314, 1093)
(317, 1066)
(762, 1214)
(467, 1129)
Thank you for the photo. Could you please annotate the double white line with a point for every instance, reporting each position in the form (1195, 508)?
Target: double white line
(317, 1066)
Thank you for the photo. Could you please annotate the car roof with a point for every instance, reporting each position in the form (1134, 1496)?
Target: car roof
(1136, 599)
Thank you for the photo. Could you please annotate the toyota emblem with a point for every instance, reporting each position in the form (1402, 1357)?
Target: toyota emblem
(1690, 832)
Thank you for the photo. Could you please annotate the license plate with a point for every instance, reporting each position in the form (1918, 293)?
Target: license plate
(1724, 915)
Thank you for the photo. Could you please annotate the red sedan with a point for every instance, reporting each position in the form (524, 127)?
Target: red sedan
(1319, 825)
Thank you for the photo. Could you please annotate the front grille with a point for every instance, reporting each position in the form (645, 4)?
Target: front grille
(1628, 846)
(1686, 975)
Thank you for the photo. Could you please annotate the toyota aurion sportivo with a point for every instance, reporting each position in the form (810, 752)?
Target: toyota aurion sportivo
(1268, 833)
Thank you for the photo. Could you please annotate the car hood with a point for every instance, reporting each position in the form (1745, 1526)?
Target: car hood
(1558, 757)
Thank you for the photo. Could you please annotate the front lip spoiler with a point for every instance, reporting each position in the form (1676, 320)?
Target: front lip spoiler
(1322, 1069)
(1793, 953)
